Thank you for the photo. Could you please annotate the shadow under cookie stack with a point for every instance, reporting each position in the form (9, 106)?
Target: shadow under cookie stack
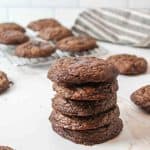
(85, 108)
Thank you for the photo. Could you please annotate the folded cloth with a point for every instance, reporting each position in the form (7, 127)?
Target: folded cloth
(122, 26)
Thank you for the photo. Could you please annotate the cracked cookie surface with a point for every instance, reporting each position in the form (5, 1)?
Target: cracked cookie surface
(82, 70)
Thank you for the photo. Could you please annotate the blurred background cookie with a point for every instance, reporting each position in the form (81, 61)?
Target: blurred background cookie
(12, 37)
(11, 26)
(34, 49)
(40, 24)
(76, 45)
(55, 34)
(128, 64)
(5, 148)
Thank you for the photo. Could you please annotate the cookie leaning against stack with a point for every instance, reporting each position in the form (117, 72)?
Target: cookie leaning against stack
(84, 108)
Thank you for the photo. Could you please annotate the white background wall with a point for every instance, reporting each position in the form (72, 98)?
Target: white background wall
(23, 11)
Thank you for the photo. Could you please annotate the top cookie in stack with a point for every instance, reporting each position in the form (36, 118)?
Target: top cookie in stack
(82, 70)
(86, 100)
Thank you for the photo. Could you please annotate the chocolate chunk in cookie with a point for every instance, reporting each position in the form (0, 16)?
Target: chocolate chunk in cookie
(141, 97)
(5, 148)
(88, 91)
(4, 82)
(84, 123)
(11, 26)
(34, 49)
(55, 34)
(76, 44)
(129, 64)
(91, 137)
(12, 37)
(82, 70)
(82, 108)
(43, 23)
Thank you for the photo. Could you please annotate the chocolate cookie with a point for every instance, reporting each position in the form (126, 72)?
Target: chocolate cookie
(82, 108)
(93, 136)
(43, 23)
(4, 82)
(141, 97)
(77, 44)
(82, 70)
(12, 37)
(84, 123)
(5, 148)
(129, 64)
(34, 49)
(11, 26)
(88, 91)
(55, 34)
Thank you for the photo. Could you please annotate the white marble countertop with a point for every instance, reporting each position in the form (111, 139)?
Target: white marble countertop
(25, 108)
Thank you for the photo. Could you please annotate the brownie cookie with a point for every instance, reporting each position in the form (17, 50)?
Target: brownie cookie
(82, 108)
(4, 82)
(12, 37)
(93, 136)
(129, 64)
(89, 91)
(141, 97)
(82, 70)
(43, 23)
(34, 49)
(11, 26)
(5, 148)
(84, 123)
(76, 44)
(55, 34)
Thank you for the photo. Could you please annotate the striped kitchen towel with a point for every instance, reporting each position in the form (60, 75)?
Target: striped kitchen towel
(122, 26)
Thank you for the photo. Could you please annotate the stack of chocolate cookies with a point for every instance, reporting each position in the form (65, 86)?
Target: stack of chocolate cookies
(85, 108)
